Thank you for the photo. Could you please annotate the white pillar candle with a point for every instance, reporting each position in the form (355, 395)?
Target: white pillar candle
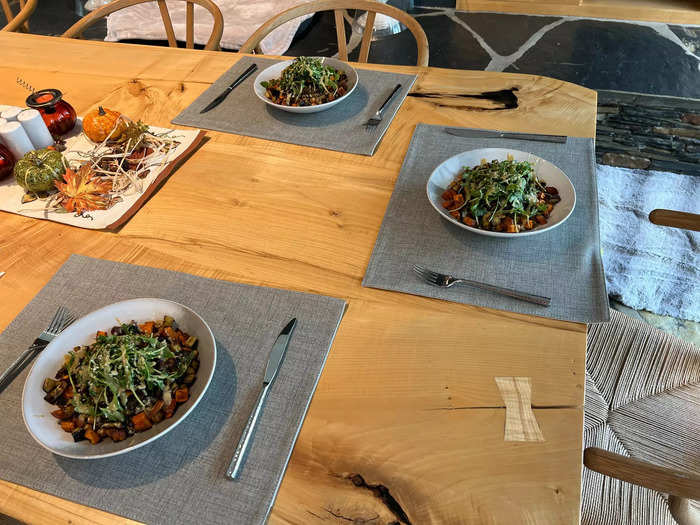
(35, 127)
(16, 139)
(10, 113)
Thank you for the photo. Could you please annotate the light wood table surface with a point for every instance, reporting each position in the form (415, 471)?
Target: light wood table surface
(408, 399)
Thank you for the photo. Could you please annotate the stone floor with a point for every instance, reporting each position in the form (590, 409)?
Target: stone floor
(638, 57)
(646, 74)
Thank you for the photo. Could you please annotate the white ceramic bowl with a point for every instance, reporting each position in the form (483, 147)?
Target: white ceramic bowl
(445, 173)
(275, 70)
(44, 427)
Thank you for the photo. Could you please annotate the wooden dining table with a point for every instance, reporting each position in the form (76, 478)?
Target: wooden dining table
(407, 424)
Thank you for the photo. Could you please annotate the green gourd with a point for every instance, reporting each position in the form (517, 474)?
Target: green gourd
(38, 169)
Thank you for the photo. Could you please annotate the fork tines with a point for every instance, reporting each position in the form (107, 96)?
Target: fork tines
(425, 274)
(61, 319)
(372, 124)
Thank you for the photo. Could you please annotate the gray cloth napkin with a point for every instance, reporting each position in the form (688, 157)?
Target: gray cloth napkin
(563, 264)
(340, 128)
(650, 267)
(179, 478)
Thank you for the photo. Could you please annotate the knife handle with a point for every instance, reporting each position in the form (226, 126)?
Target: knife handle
(236, 464)
(243, 76)
(389, 98)
(37, 345)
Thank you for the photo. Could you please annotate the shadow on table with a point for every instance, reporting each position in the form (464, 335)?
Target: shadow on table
(165, 456)
(344, 110)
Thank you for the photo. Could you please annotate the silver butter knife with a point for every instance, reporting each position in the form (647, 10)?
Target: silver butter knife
(489, 134)
(218, 100)
(273, 365)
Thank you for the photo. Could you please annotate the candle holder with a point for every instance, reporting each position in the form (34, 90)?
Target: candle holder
(58, 114)
(7, 162)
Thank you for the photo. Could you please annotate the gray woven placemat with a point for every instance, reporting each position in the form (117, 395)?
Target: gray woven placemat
(179, 478)
(563, 264)
(339, 128)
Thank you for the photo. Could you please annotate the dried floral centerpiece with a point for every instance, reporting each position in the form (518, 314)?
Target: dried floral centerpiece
(122, 154)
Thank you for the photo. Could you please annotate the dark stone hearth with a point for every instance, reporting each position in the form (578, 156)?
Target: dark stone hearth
(505, 33)
(451, 46)
(690, 36)
(435, 3)
(648, 132)
(691, 119)
(612, 55)
(625, 161)
(679, 132)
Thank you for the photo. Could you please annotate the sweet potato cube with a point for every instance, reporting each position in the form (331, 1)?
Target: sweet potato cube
(92, 436)
(141, 422)
(182, 394)
(68, 426)
(147, 328)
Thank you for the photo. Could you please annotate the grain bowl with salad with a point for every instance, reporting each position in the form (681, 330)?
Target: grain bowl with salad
(501, 193)
(306, 84)
(118, 378)
(132, 377)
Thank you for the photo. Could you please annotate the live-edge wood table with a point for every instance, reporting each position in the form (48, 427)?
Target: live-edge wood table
(407, 423)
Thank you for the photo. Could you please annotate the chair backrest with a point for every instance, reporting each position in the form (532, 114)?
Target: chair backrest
(214, 40)
(19, 21)
(339, 7)
(675, 219)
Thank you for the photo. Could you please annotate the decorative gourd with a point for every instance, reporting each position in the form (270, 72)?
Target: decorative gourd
(38, 169)
(101, 123)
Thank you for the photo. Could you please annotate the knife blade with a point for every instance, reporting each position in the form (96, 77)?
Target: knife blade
(218, 100)
(488, 134)
(273, 364)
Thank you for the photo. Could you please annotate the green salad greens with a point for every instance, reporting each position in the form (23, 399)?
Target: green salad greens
(307, 81)
(125, 382)
(116, 365)
(501, 195)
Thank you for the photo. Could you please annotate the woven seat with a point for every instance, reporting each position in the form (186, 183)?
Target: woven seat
(642, 401)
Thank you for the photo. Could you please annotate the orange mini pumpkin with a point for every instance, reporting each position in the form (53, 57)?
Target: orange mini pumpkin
(101, 123)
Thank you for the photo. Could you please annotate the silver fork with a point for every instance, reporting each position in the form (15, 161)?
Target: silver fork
(376, 119)
(61, 320)
(445, 281)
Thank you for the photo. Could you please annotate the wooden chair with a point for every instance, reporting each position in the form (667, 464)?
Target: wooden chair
(675, 219)
(212, 45)
(339, 7)
(683, 488)
(641, 426)
(19, 21)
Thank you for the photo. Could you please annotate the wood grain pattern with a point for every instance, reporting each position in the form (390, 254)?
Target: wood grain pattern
(189, 23)
(521, 424)
(167, 23)
(340, 34)
(367, 37)
(642, 473)
(668, 11)
(406, 406)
